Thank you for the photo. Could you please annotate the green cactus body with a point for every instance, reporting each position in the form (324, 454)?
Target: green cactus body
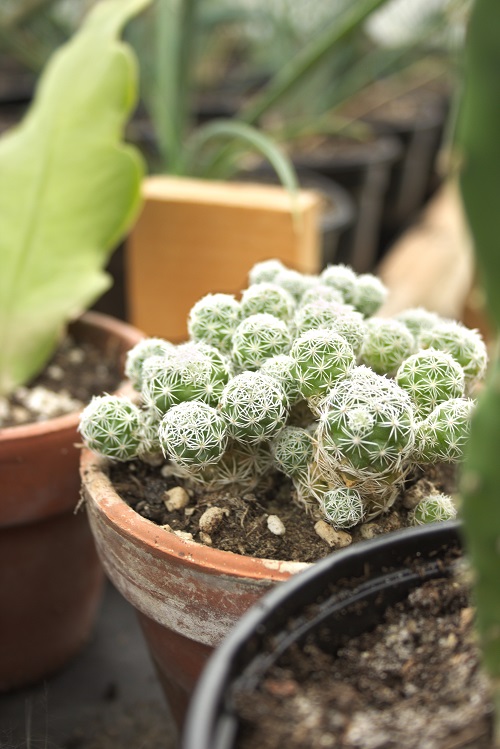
(193, 435)
(418, 319)
(265, 271)
(433, 509)
(111, 426)
(282, 368)
(464, 344)
(442, 436)
(294, 282)
(213, 320)
(370, 294)
(268, 298)
(431, 377)
(149, 447)
(321, 357)
(386, 344)
(187, 374)
(254, 406)
(221, 366)
(320, 291)
(258, 338)
(341, 318)
(343, 279)
(138, 355)
(293, 450)
(366, 423)
(310, 485)
(343, 507)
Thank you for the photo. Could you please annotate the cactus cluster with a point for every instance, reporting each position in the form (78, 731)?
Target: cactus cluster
(300, 376)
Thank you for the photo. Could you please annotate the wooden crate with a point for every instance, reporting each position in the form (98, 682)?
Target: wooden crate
(194, 237)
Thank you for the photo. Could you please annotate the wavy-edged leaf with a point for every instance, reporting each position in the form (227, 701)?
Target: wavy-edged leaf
(69, 189)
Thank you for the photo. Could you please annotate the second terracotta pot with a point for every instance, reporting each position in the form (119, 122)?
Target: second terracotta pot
(50, 575)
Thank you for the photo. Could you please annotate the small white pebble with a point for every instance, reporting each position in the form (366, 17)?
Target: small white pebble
(176, 498)
(275, 525)
(205, 539)
(55, 372)
(76, 355)
(211, 519)
(333, 538)
(184, 535)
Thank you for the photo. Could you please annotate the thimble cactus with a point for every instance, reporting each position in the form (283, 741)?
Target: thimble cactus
(370, 294)
(193, 434)
(321, 357)
(213, 320)
(257, 338)
(464, 344)
(443, 435)
(139, 353)
(343, 279)
(267, 298)
(434, 508)
(343, 507)
(386, 344)
(293, 451)
(254, 406)
(273, 382)
(431, 377)
(111, 426)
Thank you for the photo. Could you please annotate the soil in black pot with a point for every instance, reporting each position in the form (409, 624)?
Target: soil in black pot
(240, 522)
(414, 682)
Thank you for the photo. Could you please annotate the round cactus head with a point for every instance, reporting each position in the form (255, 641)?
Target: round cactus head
(464, 344)
(254, 406)
(189, 373)
(242, 466)
(386, 344)
(193, 435)
(434, 508)
(111, 425)
(443, 435)
(418, 319)
(294, 282)
(268, 298)
(138, 355)
(343, 279)
(370, 294)
(265, 271)
(321, 357)
(343, 507)
(213, 320)
(293, 451)
(366, 424)
(258, 338)
(431, 377)
(320, 291)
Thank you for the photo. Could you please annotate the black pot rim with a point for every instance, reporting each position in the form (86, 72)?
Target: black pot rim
(423, 542)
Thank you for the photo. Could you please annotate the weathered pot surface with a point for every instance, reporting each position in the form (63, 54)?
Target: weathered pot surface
(188, 595)
(50, 575)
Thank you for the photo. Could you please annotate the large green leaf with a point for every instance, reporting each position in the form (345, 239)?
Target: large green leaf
(69, 189)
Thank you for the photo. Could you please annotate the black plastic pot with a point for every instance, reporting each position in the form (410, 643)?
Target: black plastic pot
(364, 172)
(338, 215)
(339, 597)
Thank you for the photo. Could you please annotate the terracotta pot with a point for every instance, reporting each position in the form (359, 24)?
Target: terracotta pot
(50, 576)
(187, 595)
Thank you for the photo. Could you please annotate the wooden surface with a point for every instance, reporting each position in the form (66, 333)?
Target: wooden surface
(195, 237)
(432, 264)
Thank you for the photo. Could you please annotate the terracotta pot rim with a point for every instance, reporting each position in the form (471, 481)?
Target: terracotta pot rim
(70, 421)
(161, 543)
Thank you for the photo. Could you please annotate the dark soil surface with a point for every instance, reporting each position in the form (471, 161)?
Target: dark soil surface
(76, 372)
(412, 683)
(243, 528)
